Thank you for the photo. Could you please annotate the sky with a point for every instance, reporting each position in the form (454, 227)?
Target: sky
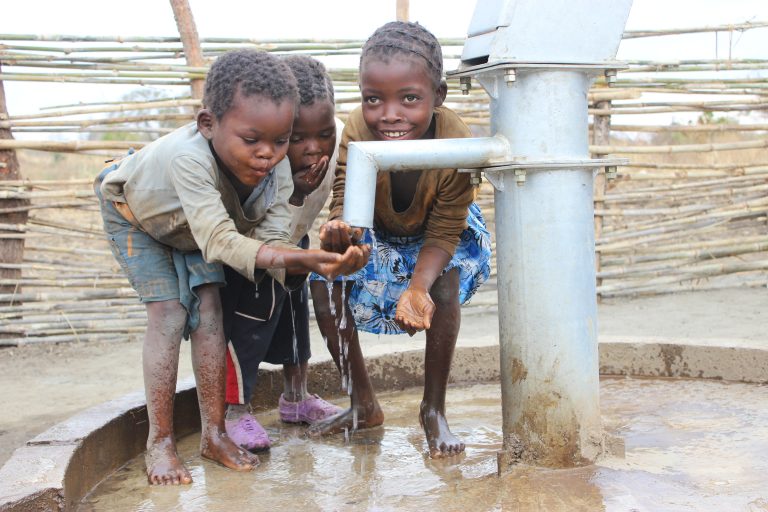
(269, 19)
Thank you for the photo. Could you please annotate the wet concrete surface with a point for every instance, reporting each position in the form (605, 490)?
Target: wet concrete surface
(691, 445)
(44, 384)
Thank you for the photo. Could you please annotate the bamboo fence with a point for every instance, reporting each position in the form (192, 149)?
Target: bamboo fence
(689, 212)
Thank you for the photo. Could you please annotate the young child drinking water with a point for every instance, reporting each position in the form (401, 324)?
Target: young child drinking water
(431, 248)
(180, 207)
(265, 322)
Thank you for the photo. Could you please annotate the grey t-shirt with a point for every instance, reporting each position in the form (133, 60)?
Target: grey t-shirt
(179, 197)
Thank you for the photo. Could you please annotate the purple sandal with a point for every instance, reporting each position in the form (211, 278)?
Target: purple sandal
(247, 433)
(310, 410)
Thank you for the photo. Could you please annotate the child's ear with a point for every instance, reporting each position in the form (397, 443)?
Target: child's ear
(205, 120)
(441, 93)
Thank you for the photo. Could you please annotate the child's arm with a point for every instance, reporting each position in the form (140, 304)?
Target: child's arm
(415, 307)
(303, 261)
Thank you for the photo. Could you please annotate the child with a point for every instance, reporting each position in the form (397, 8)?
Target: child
(181, 206)
(432, 249)
(268, 323)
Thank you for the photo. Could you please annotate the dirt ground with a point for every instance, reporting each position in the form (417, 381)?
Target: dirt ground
(44, 384)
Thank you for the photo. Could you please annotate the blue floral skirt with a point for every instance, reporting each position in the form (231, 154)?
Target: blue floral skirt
(378, 286)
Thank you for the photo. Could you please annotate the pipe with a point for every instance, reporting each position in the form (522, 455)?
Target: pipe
(366, 159)
(546, 272)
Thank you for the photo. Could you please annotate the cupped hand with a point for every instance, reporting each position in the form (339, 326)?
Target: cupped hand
(307, 180)
(338, 236)
(353, 259)
(414, 311)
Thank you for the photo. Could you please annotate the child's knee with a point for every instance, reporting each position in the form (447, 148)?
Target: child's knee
(170, 313)
(445, 290)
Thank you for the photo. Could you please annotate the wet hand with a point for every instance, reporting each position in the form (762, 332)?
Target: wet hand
(338, 236)
(414, 310)
(353, 259)
(307, 180)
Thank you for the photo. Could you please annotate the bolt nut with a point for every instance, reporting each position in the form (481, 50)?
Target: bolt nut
(510, 76)
(520, 177)
(611, 172)
(610, 77)
(465, 84)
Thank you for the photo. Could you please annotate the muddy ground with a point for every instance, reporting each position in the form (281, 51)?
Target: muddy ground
(44, 384)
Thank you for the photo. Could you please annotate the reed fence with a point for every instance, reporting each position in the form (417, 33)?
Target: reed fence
(689, 212)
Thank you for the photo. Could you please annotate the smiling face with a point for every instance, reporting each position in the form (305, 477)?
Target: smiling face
(251, 137)
(314, 135)
(399, 96)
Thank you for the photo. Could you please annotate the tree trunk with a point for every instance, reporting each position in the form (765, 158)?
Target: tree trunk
(11, 250)
(190, 41)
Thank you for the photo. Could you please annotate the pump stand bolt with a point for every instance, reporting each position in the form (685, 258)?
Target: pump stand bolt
(465, 84)
(520, 177)
(509, 76)
(610, 77)
(611, 172)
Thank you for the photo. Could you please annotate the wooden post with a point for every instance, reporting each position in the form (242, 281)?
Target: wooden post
(11, 250)
(190, 41)
(402, 13)
(601, 135)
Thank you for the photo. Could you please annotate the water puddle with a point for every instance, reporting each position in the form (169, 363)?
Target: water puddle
(690, 446)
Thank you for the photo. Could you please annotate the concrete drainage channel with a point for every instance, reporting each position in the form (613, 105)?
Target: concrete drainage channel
(56, 469)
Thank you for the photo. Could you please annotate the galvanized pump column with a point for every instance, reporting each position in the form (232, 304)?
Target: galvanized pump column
(536, 59)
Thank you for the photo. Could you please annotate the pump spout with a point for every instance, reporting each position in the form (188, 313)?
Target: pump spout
(366, 159)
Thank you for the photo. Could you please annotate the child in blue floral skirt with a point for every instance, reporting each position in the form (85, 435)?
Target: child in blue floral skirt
(431, 250)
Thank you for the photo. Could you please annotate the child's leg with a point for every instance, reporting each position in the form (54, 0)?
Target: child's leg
(290, 347)
(364, 411)
(165, 324)
(208, 362)
(441, 341)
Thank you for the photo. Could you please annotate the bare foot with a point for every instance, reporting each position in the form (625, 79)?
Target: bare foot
(218, 447)
(367, 417)
(440, 439)
(163, 464)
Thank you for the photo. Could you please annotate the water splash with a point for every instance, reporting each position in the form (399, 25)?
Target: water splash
(331, 304)
(293, 323)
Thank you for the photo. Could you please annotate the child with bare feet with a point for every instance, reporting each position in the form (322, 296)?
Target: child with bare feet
(265, 322)
(431, 249)
(212, 192)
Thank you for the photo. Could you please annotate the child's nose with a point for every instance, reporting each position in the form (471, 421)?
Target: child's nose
(313, 146)
(266, 151)
(391, 113)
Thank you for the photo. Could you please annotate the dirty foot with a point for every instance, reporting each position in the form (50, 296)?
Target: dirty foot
(367, 417)
(218, 447)
(163, 464)
(441, 441)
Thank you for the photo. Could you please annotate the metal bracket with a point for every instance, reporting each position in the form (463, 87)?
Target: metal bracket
(521, 168)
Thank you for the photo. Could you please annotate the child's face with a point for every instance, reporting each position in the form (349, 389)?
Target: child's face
(313, 137)
(398, 98)
(251, 137)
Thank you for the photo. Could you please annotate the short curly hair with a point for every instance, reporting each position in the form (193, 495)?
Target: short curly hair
(406, 38)
(314, 82)
(251, 72)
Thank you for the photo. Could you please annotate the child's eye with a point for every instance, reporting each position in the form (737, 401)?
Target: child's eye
(295, 139)
(327, 135)
(250, 141)
(410, 98)
(372, 100)
(282, 142)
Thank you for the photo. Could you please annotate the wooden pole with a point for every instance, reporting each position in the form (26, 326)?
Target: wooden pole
(190, 41)
(402, 8)
(11, 251)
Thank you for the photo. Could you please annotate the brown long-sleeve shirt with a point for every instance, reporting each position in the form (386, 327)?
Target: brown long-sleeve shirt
(442, 197)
